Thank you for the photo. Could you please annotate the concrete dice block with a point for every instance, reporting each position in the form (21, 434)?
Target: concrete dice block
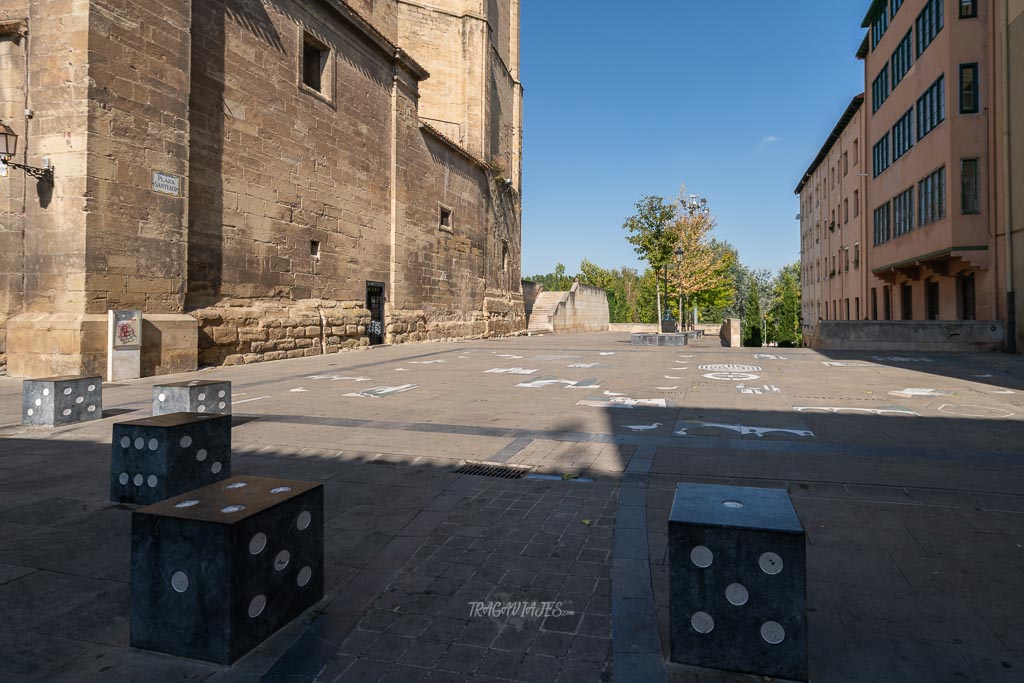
(54, 401)
(158, 457)
(219, 570)
(737, 581)
(192, 397)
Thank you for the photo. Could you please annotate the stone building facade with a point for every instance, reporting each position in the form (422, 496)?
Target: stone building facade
(931, 176)
(265, 179)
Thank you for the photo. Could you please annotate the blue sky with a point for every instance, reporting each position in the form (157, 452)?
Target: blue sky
(624, 99)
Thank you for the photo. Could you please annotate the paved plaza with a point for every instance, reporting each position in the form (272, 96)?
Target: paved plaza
(906, 470)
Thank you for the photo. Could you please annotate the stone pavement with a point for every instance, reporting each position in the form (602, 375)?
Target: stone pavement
(906, 472)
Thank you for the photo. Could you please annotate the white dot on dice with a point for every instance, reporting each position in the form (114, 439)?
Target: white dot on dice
(185, 442)
(216, 467)
(736, 594)
(201, 454)
(305, 574)
(138, 480)
(232, 508)
(702, 622)
(702, 556)
(257, 606)
(179, 582)
(770, 563)
(187, 503)
(772, 632)
(303, 520)
(282, 560)
(257, 543)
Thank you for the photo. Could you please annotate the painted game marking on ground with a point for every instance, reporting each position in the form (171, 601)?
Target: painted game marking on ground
(510, 371)
(743, 430)
(841, 409)
(380, 392)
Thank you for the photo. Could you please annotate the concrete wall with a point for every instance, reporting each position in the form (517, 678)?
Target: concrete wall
(909, 336)
(730, 333)
(584, 309)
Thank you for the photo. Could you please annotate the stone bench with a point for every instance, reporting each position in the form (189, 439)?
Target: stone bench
(54, 401)
(737, 581)
(219, 570)
(154, 458)
(643, 339)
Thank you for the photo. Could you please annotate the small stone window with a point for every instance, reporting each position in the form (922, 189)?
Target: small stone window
(446, 219)
(314, 250)
(314, 64)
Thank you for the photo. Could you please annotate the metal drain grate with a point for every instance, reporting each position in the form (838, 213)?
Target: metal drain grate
(486, 469)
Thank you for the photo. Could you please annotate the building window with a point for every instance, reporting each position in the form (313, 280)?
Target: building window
(846, 211)
(856, 151)
(931, 107)
(903, 213)
(931, 198)
(896, 4)
(856, 203)
(883, 231)
(969, 186)
(929, 23)
(314, 63)
(887, 302)
(445, 220)
(847, 309)
(846, 260)
(903, 135)
(878, 28)
(965, 286)
(881, 156)
(874, 303)
(969, 103)
(931, 300)
(856, 255)
(907, 301)
(314, 250)
(880, 89)
(846, 163)
(968, 10)
(902, 58)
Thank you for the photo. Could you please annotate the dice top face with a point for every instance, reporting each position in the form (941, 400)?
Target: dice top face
(193, 383)
(61, 400)
(739, 507)
(171, 420)
(233, 500)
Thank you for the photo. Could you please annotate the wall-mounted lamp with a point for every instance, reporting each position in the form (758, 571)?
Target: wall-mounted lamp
(9, 147)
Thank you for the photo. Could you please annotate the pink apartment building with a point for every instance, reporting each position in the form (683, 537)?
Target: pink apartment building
(902, 212)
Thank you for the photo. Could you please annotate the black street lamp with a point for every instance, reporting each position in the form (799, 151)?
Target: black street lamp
(679, 263)
(9, 147)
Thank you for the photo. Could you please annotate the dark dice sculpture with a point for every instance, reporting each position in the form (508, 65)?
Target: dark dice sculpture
(54, 401)
(192, 397)
(738, 581)
(158, 457)
(217, 571)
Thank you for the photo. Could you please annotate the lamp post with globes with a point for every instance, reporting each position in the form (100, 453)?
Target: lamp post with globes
(9, 147)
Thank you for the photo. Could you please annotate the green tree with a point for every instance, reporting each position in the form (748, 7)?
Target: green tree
(785, 311)
(752, 332)
(652, 235)
(557, 281)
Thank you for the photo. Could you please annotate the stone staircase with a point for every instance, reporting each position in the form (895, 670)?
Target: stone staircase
(543, 308)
